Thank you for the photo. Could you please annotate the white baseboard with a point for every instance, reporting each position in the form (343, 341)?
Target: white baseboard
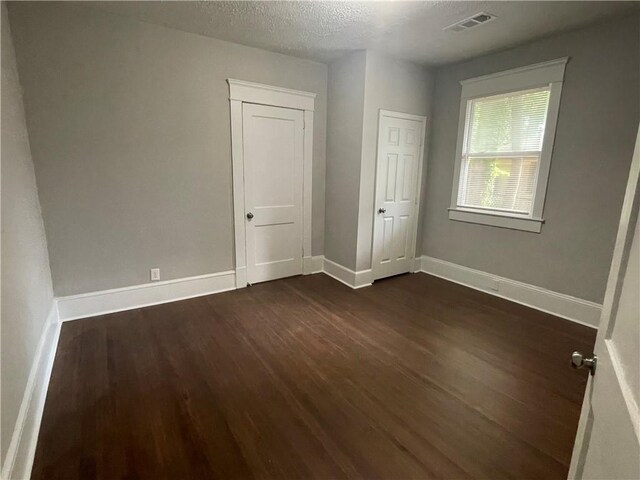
(127, 298)
(241, 277)
(360, 279)
(313, 264)
(564, 306)
(363, 278)
(90, 304)
(22, 447)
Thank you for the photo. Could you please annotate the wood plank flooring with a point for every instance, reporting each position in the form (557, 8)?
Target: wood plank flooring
(414, 377)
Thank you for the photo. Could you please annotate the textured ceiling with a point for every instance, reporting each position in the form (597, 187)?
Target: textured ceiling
(412, 30)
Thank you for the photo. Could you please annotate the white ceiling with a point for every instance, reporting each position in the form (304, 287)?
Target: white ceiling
(412, 30)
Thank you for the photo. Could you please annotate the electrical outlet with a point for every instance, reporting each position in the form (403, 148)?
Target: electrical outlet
(155, 274)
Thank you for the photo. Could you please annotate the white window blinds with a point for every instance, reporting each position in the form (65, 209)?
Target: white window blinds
(501, 151)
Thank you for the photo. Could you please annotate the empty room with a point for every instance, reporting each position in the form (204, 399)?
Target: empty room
(320, 239)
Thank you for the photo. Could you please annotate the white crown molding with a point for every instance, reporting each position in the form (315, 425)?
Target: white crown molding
(571, 308)
(22, 447)
(270, 95)
(116, 300)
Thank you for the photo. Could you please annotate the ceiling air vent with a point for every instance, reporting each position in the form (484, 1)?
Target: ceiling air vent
(474, 21)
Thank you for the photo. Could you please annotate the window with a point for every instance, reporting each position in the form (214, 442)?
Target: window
(502, 150)
(504, 146)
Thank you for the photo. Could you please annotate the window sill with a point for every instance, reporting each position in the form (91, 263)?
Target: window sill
(495, 219)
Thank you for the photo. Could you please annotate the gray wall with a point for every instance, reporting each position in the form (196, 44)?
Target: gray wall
(344, 149)
(130, 134)
(390, 84)
(597, 125)
(27, 295)
(360, 84)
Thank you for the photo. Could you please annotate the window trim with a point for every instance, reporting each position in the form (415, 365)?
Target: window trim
(550, 74)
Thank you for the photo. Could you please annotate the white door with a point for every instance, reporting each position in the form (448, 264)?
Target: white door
(398, 173)
(272, 139)
(607, 444)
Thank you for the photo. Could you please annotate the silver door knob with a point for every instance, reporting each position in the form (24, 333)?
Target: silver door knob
(382, 210)
(578, 361)
(249, 215)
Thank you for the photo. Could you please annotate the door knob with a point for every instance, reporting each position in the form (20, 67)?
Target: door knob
(382, 210)
(578, 361)
(249, 215)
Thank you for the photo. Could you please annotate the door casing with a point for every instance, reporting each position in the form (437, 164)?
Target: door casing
(248, 92)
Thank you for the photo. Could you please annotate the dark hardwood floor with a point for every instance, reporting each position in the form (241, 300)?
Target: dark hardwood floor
(414, 377)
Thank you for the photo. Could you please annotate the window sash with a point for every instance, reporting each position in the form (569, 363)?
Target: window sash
(472, 104)
(464, 183)
(530, 153)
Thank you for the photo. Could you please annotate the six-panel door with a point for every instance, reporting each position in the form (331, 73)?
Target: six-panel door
(273, 140)
(397, 177)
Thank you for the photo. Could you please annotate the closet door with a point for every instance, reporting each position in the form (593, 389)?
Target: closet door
(273, 140)
(397, 186)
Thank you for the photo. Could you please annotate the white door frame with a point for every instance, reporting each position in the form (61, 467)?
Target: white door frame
(414, 234)
(249, 92)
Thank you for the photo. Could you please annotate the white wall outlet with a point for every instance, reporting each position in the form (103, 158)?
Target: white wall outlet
(155, 274)
(495, 285)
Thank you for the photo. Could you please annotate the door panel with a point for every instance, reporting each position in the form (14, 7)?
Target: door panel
(391, 170)
(402, 235)
(273, 163)
(407, 182)
(387, 238)
(397, 180)
(608, 440)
